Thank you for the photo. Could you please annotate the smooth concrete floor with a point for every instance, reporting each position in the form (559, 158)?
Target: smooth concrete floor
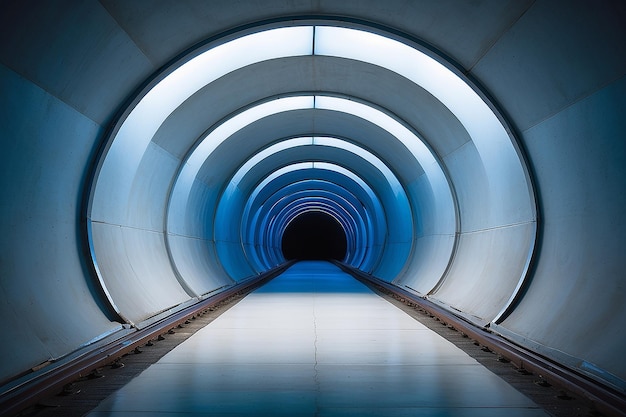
(316, 342)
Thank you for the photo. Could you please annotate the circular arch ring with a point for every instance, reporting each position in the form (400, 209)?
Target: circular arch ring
(368, 196)
(372, 211)
(298, 142)
(409, 140)
(352, 224)
(306, 189)
(112, 188)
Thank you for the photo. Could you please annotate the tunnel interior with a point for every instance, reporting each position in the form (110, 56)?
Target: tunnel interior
(426, 176)
(153, 158)
(314, 236)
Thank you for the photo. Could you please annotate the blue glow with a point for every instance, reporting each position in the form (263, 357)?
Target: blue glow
(315, 141)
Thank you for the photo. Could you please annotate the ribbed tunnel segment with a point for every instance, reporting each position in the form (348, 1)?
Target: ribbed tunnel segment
(427, 213)
(132, 136)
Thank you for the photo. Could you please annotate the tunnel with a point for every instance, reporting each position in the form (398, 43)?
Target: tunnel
(470, 154)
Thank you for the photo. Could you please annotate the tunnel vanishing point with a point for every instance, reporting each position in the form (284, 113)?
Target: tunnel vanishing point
(472, 154)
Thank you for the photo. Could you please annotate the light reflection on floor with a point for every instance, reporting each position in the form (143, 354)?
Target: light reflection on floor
(316, 342)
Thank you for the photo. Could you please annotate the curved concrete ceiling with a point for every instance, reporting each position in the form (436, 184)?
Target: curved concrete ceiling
(431, 192)
(469, 151)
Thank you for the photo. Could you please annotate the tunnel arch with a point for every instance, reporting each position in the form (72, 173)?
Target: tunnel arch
(430, 257)
(313, 202)
(71, 76)
(342, 183)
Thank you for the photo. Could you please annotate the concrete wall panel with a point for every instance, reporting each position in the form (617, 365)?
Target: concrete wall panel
(16, 361)
(234, 260)
(136, 271)
(427, 264)
(580, 159)
(182, 219)
(173, 27)
(557, 53)
(394, 257)
(433, 208)
(471, 185)
(490, 186)
(50, 306)
(85, 59)
(150, 189)
(447, 25)
(486, 270)
(197, 262)
(435, 234)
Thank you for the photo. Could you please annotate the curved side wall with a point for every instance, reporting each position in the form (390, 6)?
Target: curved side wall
(570, 118)
(48, 308)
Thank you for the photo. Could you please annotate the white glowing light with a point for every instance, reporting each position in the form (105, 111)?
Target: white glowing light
(418, 67)
(167, 95)
(384, 121)
(314, 141)
(235, 123)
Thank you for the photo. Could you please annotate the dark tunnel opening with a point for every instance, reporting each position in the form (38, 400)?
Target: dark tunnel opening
(314, 236)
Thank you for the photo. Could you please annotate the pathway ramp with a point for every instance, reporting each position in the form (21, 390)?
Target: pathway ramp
(316, 342)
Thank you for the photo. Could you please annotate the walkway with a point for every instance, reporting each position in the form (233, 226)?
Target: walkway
(316, 342)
